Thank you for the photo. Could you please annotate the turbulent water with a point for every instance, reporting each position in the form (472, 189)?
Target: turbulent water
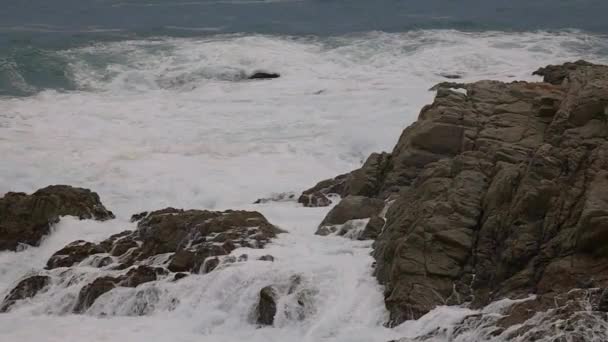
(161, 119)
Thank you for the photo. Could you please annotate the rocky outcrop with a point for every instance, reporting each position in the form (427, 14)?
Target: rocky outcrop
(499, 191)
(25, 219)
(167, 244)
(26, 288)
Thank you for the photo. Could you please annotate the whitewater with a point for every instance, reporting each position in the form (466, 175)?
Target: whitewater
(171, 122)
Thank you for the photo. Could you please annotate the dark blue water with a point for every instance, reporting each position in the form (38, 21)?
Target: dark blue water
(30, 30)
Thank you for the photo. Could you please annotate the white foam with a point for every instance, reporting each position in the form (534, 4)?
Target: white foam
(166, 124)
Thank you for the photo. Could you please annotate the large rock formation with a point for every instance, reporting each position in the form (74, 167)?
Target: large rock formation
(25, 219)
(168, 243)
(500, 190)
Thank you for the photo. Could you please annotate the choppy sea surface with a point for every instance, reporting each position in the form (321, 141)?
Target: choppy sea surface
(146, 102)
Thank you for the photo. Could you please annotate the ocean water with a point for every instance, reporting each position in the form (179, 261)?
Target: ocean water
(146, 103)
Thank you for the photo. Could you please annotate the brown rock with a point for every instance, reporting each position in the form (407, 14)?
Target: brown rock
(25, 219)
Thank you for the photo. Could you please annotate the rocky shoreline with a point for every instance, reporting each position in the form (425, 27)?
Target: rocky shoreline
(498, 190)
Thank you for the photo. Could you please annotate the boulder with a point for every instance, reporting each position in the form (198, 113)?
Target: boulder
(26, 288)
(25, 219)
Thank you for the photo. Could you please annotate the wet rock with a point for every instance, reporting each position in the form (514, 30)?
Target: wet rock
(315, 199)
(367, 181)
(73, 253)
(133, 278)
(185, 238)
(89, 293)
(25, 219)
(261, 75)
(373, 228)
(280, 197)
(350, 208)
(139, 217)
(27, 288)
(179, 276)
(267, 306)
(266, 258)
(498, 193)
(210, 264)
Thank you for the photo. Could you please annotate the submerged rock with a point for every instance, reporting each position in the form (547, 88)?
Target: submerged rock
(25, 219)
(498, 193)
(26, 288)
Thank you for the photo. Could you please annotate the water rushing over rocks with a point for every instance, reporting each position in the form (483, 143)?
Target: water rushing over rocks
(487, 222)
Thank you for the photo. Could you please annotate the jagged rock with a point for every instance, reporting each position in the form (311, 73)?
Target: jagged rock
(26, 288)
(260, 75)
(350, 208)
(267, 306)
(499, 192)
(25, 219)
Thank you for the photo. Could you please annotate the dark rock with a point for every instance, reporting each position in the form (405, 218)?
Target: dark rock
(140, 275)
(266, 258)
(27, 288)
(267, 306)
(89, 293)
(368, 181)
(179, 276)
(315, 199)
(260, 75)
(25, 219)
(280, 197)
(210, 264)
(73, 253)
(139, 217)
